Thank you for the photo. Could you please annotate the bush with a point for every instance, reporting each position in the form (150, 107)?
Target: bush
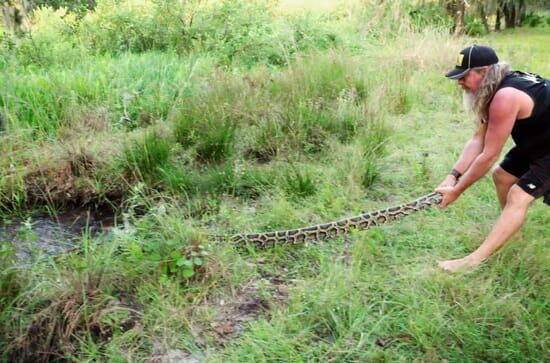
(429, 15)
(238, 30)
(115, 27)
(6, 46)
(49, 39)
(76, 6)
(473, 26)
(536, 20)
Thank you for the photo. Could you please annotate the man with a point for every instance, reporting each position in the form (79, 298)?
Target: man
(505, 103)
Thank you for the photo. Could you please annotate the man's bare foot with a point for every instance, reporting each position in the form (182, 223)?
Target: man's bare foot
(462, 264)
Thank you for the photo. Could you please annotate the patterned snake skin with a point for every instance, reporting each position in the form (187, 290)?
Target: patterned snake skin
(338, 228)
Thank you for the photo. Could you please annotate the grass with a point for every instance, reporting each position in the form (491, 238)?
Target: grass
(192, 149)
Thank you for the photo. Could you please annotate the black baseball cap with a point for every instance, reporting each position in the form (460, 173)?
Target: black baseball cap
(472, 57)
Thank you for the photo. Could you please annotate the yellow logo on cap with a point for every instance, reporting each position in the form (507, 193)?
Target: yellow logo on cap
(459, 60)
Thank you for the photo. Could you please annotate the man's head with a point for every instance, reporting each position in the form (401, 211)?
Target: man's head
(472, 57)
(479, 73)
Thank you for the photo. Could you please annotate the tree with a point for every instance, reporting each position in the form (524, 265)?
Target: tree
(509, 13)
(457, 9)
(14, 12)
(483, 16)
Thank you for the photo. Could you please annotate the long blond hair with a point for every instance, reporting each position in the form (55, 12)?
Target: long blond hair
(487, 89)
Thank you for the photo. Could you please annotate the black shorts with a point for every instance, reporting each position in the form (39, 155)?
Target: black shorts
(534, 175)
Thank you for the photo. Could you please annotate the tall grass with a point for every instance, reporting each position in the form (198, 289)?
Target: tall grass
(131, 91)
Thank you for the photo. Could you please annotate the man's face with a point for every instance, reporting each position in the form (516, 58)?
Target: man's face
(471, 81)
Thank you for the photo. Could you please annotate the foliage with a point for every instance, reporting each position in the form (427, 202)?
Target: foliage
(429, 14)
(533, 19)
(171, 259)
(473, 26)
(238, 29)
(241, 32)
(49, 39)
(122, 26)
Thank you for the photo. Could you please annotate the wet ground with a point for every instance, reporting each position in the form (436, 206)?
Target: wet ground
(45, 234)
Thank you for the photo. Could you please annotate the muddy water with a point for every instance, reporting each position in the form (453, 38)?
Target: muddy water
(43, 234)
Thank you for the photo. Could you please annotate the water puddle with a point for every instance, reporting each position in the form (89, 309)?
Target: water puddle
(44, 234)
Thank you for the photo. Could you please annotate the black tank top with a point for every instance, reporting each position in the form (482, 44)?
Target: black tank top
(532, 134)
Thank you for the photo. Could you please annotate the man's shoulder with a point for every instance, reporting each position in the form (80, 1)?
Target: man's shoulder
(508, 98)
(512, 100)
(508, 93)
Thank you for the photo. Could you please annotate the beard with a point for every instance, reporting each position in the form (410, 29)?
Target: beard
(468, 101)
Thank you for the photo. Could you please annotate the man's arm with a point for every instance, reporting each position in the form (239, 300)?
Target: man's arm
(503, 112)
(471, 150)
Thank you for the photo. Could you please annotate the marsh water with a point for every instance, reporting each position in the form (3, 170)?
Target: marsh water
(41, 234)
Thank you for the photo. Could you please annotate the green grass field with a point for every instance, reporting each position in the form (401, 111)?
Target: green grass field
(185, 147)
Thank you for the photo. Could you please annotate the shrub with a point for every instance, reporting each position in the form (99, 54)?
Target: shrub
(430, 14)
(536, 20)
(115, 27)
(49, 38)
(473, 26)
(310, 31)
(238, 30)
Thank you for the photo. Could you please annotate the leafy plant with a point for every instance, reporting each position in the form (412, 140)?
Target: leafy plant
(171, 257)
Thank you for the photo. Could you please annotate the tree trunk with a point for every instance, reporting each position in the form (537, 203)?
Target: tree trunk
(520, 15)
(509, 11)
(12, 16)
(459, 17)
(497, 20)
(483, 17)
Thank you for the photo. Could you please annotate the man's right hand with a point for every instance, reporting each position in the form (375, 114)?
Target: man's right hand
(449, 181)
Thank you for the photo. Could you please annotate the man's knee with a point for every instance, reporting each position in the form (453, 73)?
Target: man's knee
(518, 198)
(503, 178)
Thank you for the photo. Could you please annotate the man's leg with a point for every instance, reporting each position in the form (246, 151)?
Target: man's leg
(510, 220)
(503, 182)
